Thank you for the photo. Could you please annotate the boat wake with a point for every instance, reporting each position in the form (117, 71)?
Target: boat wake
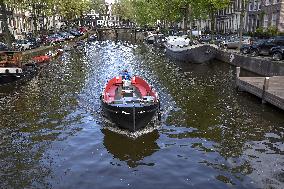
(153, 125)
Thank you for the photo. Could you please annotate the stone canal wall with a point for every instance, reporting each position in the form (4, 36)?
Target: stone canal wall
(260, 65)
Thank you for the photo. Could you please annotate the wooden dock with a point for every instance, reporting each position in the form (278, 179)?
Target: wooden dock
(269, 89)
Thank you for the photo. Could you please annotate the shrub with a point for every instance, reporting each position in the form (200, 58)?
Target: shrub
(272, 31)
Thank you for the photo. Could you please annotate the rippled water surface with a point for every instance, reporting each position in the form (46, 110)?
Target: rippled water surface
(211, 136)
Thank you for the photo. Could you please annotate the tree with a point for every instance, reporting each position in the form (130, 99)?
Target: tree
(5, 26)
(243, 11)
(130, 10)
(98, 6)
(71, 9)
(10, 4)
(211, 7)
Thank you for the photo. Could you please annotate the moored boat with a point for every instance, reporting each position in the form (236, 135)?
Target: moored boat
(12, 69)
(41, 59)
(152, 37)
(130, 103)
(183, 49)
(159, 41)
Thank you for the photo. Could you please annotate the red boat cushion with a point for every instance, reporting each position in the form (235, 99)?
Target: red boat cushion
(142, 89)
(111, 93)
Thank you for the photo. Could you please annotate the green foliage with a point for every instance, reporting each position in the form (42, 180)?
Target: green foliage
(69, 9)
(125, 8)
(265, 32)
(66, 8)
(272, 31)
(259, 31)
(98, 5)
(149, 11)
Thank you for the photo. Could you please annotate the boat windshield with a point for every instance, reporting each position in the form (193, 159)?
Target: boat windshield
(127, 94)
(118, 102)
(127, 101)
(132, 101)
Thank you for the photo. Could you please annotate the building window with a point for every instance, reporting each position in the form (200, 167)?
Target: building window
(259, 5)
(255, 5)
(265, 21)
(250, 6)
(273, 20)
(276, 1)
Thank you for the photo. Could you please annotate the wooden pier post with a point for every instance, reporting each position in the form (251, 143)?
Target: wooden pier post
(269, 89)
(265, 88)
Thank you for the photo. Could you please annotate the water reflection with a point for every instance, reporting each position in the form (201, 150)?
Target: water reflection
(35, 114)
(131, 150)
(211, 135)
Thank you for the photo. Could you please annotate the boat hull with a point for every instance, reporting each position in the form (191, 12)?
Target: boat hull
(28, 72)
(9, 78)
(132, 118)
(198, 54)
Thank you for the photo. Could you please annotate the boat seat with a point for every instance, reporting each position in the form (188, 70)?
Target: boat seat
(118, 81)
(110, 99)
(141, 89)
(111, 91)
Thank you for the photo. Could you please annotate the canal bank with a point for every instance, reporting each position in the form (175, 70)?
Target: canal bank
(269, 88)
(259, 65)
(27, 55)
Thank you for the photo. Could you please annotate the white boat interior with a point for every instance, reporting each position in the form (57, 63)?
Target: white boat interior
(10, 70)
(180, 43)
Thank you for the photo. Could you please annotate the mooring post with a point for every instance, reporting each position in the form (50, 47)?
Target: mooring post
(135, 36)
(238, 70)
(265, 88)
(116, 35)
(100, 33)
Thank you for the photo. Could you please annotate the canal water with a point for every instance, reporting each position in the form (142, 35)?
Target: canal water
(52, 134)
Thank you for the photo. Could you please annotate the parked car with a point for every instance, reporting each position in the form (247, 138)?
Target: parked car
(75, 32)
(233, 42)
(22, 44)
(55, 38)
(247, 48)
(92, 38)
(265, 47)
(83, 30)
(217, 39)
(4, 47)
(204, 39)
(277, 53)
(43, 39)
(35, 42)
(66, 35)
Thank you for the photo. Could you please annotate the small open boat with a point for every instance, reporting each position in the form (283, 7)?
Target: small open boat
(41, 59)
(12, 69)
(130, 103)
